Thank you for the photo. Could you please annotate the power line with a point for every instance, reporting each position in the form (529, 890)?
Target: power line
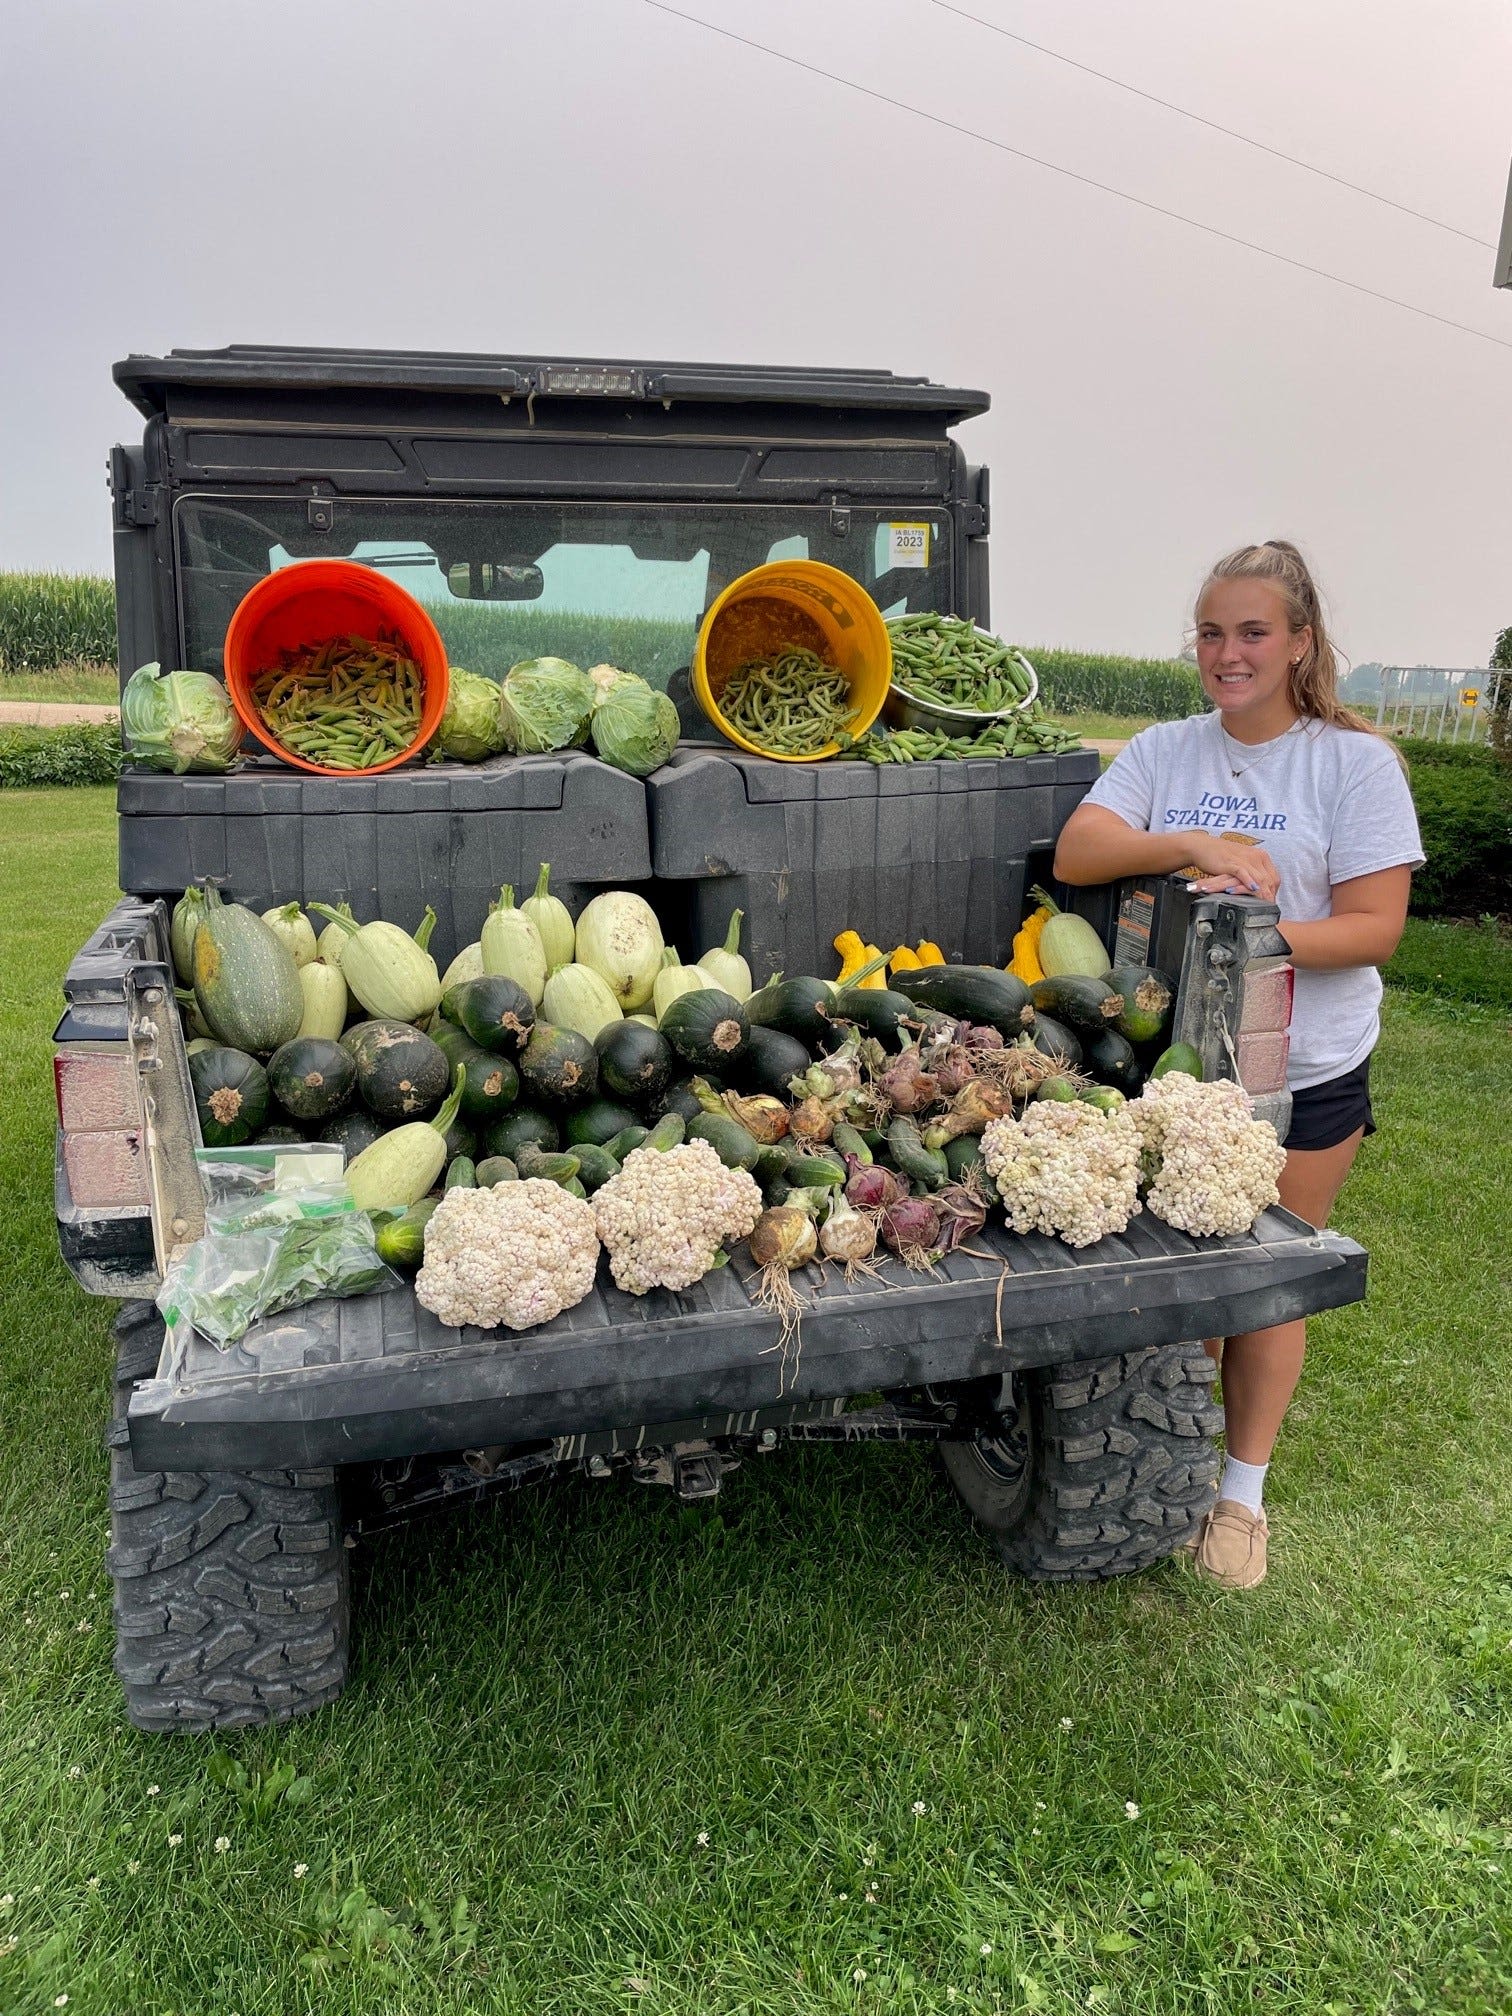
(1074, 175)
(1215, 126)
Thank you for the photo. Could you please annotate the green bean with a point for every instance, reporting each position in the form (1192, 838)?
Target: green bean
(346, 703)
(788, 702)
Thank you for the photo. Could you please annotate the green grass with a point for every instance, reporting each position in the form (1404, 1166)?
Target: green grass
(553, 1701)
(64, 685)
(1456, 962)
(56, 619)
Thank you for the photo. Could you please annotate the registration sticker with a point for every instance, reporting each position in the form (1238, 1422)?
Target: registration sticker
(907, 546)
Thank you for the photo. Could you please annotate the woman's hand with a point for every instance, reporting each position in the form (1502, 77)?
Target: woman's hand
(1229, 868)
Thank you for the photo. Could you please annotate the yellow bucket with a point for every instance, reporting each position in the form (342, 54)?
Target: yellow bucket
(788, 603)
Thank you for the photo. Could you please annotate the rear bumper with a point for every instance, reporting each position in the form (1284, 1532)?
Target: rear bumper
(377, 1377)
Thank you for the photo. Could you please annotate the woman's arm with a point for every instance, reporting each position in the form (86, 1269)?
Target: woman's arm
(1096, 845)
(1364, 928)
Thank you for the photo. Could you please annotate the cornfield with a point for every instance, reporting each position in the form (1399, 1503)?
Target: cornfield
(56, 619)
(490, 637)
(1077, 682)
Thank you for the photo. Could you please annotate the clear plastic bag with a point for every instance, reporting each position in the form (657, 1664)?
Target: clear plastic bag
(270, 1243)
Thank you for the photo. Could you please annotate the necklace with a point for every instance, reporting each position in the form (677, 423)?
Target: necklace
(1269, 749)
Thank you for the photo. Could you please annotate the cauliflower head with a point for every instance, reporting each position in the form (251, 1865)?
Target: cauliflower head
(1211, 1166)
(665, 1216)
(1066, 1168)
(509, 1257)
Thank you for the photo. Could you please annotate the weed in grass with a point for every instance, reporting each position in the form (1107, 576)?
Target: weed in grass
(553, 1700)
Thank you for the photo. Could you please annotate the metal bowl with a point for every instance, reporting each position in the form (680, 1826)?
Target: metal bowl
(902, 710)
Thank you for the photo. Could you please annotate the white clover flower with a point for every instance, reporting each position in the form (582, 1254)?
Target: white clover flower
(301, 1869)
(175, 1840)
(222, 1843)
(8, 1945)
(703, 1839)
(93, 1883)
(985, 1948)
(919, 1809)
(76, 1770)
(132, 1868)
(1131, 1809)
(1067, 1723)
(153, 1791)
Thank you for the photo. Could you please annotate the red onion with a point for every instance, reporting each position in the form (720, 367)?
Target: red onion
(873, 1188)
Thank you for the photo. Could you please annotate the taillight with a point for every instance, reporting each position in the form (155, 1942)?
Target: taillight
(101, 1117)
(1261, 1042)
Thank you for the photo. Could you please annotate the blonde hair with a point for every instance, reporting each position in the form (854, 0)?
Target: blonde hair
(1313, 685)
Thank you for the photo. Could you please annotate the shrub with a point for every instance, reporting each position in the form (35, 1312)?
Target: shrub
(87, 753)
(56, 619)
(1463, 797)
(1082, 682)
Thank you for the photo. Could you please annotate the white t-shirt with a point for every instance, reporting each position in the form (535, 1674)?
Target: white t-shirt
(1326, 803)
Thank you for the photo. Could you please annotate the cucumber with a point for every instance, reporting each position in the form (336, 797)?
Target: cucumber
(1180, 1057)
(401, 1241)
(799, 1008)
(521, 1127)
(1054, 1039)
(963, 1154)
(847, 1140)
(540, 1164)
(1111, 1060)
(1149, 1003)
(462, 1174)
(599, 1122)
(816, 1172)
(558, 1066)
(490, 1083)
(1061, 1090)
(1083, 1003)
(667, 1133)
(912, 1159)
(772, 1163)
(495, 1169)
(574, 1187)
(771, 1059)
(1106, 1098)
(877, 1010)
(626, 1142)
(971, 994)
(401, 1074)
(595, 1165)
(735, 1147)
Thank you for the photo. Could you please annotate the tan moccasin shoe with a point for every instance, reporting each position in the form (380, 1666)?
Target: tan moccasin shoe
(1230, 1548)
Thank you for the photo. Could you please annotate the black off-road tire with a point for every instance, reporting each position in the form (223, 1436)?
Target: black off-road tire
(231, 1590)
(1098, 1467)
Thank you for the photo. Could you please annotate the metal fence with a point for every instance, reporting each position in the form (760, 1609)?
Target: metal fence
(1441, 703)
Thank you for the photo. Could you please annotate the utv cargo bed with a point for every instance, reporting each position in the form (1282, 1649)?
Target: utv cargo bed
(354, 1381)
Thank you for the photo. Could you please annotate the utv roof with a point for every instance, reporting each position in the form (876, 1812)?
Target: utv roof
(149, 381)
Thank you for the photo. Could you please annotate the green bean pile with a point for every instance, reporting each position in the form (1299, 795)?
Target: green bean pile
(346, 704)
(947, 662)
(1031, 733)
(789, 703)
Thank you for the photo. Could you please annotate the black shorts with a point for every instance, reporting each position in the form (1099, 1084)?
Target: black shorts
(1324, 1115)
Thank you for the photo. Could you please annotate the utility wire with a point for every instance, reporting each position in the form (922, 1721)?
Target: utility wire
(1074, 175)
(1215, 125)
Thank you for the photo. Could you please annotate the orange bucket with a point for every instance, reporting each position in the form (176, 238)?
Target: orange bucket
(311, 602)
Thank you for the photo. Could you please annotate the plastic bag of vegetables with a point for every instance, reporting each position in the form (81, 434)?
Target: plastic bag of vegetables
(634, 727)
(179, 721)
(470, 728)
(544, 703)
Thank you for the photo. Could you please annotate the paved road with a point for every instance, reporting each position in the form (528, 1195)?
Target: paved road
(50, 714)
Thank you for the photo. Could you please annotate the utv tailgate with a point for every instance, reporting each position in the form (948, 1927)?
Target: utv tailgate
(354, 1381)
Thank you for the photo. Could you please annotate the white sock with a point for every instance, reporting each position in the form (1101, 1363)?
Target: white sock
(1244, 1482)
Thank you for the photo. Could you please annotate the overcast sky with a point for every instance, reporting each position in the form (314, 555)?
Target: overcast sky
(596, 177)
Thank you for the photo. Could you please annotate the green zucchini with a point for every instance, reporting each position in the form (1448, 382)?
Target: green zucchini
(771, 1059)
(877, 1010)
(574, 1187)
(230, 1095)
(1180, 1057)
(799, 1008)
(558, 1066)
(490, 1082)
(462, 1174)
(708, 1029)
(634, 1062)
(816, 1172)
(1111, 1060)
(312, 1078)
(912, 1159)
(351, 1133)
(496, 1011)
(982, 994)
(1149, 1003)
(523, 1126)
(595, 1165)
(495, 1169)
(401, 1074)
(735, 1147)
(599, 1122)
(1083, 1002)
(667, 1133)
(627, 1141)
(401, 1241)
(538, 1164)
(962, 1155)
(1054, 1039)
(246, 984)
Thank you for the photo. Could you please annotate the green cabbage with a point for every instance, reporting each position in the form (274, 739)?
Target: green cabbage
(179, 721)
(544, 703)
(470, 728)
(634, 727)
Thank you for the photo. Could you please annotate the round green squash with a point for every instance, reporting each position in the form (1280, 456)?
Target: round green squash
(312, 1077)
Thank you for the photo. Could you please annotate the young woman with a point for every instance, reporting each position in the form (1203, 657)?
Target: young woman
(1283, 793)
